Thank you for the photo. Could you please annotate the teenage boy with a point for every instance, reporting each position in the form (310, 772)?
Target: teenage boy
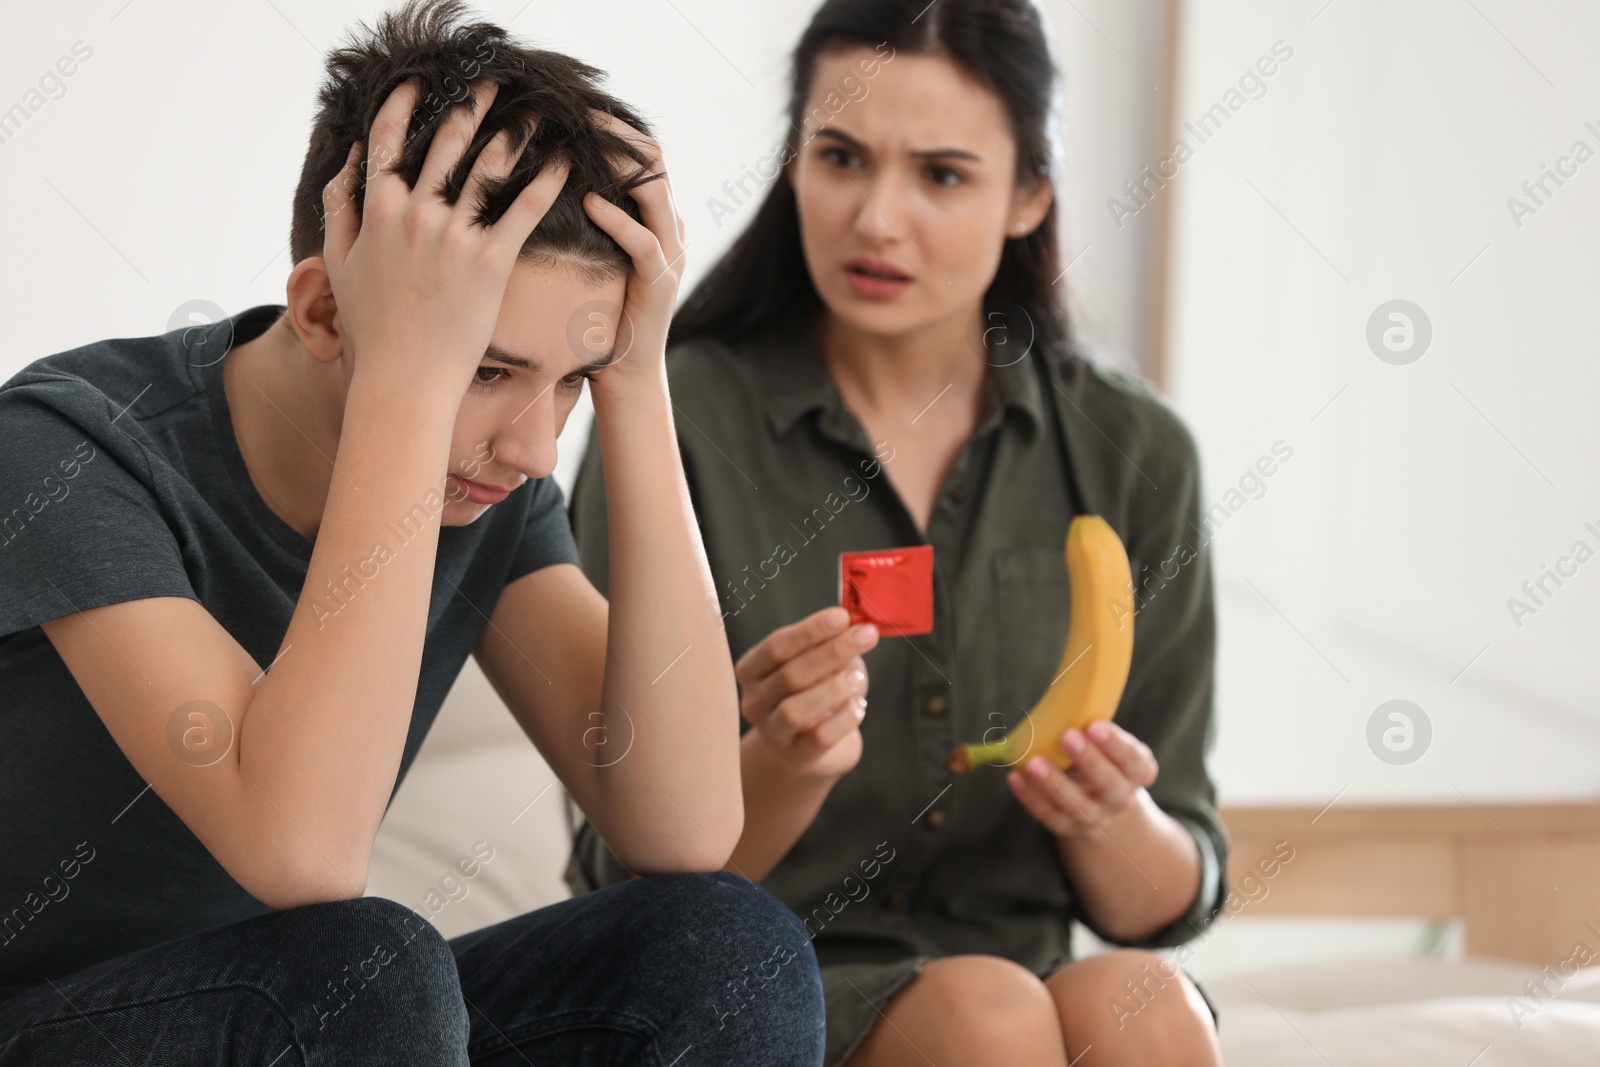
(241, 565)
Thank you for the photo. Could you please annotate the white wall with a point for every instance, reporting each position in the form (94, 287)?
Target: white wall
(1378, 563)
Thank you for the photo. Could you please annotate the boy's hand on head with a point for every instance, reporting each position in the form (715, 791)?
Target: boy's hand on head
(657, 249)
(417, 281)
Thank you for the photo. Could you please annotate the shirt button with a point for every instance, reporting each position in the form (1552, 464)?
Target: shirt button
(957, 496)
(936, 818)
(895, 900)
(934, 705)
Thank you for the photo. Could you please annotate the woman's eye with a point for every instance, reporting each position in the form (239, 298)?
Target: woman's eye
(944, 176)
(573, 383)
(498, 372)
(839, 156)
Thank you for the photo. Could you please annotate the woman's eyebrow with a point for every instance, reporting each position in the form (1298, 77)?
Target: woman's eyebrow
(932, 153)
(948, 153)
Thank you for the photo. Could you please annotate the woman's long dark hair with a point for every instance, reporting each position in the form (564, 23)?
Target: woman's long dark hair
(1001, 44)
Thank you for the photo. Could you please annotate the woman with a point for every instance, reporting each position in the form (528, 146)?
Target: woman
(881, 360)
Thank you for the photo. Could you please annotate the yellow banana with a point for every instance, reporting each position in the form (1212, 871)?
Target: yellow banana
(1094, 666)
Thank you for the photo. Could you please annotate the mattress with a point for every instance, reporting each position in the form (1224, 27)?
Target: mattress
(1410, 1013)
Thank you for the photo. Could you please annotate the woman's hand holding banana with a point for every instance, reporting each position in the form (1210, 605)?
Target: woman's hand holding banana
(1110, 767)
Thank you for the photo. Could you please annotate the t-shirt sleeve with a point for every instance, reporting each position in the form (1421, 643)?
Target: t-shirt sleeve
(546, 533)
(80, 527)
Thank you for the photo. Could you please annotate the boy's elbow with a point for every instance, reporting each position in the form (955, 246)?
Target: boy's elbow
(705, 860)
(296, 883)
(720, 840)
(703, 851)
(679, 861)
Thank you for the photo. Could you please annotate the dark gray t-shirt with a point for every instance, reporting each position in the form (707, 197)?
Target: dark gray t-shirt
(120, 479)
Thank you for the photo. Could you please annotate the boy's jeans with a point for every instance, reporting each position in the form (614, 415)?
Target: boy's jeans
(675, 970)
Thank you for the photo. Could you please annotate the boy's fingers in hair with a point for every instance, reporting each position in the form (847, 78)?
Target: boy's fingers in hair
(532, 203)
(661, 216)
(387, 137)
(640, 243)
(492, 164)
(339, 226)
(657, 203)
(645, 143)
(683, 225)
(454, 135)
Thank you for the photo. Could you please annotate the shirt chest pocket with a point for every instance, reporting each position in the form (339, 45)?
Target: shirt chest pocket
(1033, 612)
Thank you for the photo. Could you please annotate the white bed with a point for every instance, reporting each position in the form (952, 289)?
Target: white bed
(1406, 1013)
(1522, 879)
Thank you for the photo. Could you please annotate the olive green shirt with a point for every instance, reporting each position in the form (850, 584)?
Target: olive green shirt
(903, 859)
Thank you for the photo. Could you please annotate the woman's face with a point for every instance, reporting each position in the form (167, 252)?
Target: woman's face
(906, 190)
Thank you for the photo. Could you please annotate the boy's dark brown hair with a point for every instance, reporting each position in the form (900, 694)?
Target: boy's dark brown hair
(544, 100)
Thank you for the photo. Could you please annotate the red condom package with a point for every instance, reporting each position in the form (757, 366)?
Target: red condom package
(890, 588)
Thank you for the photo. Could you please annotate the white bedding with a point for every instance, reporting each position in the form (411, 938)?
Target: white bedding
(1408, 1013)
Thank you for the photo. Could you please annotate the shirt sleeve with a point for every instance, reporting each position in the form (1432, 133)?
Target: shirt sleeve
(1169, 700)
(546, 532)
(80, 527)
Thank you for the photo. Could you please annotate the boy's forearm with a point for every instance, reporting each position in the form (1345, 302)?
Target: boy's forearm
(674, 802)
(779, 806)
(322, 738)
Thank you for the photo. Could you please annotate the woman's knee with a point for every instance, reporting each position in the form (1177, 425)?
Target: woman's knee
(1133, 1006)
(975, 1009)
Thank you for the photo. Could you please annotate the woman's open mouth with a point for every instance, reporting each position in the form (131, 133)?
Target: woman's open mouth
(875, 278)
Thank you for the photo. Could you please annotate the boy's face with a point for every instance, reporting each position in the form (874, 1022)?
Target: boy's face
(558, 323)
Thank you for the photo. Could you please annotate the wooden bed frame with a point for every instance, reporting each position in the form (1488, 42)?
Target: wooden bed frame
(1524, 879)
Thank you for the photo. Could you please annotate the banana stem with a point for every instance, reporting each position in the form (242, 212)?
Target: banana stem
(966, 757)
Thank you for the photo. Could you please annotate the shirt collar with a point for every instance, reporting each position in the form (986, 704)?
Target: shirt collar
(795, 380)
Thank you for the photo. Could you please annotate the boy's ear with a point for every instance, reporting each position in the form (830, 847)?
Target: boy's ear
(312, 311)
